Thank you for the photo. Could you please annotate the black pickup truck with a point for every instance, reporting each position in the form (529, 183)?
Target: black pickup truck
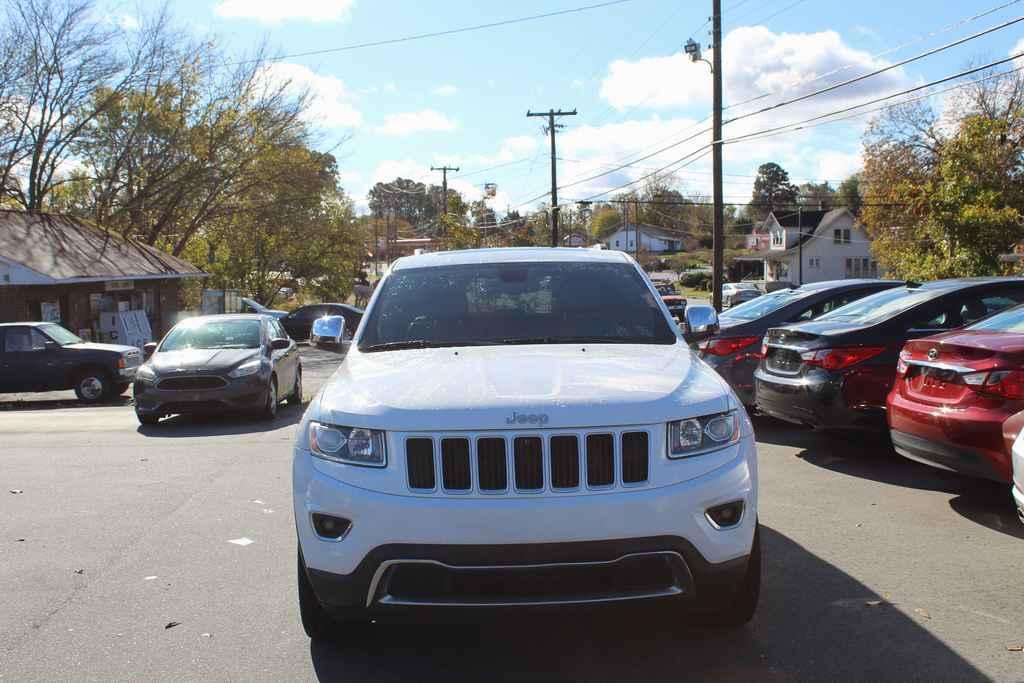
(46, 357)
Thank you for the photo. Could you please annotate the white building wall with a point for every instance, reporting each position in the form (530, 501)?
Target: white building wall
(824, 259)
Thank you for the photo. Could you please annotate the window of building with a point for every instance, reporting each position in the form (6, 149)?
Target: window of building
(616, 244)
(874, 269)
(837, 237)
(846, 236)
(776, 238)
(849, 267)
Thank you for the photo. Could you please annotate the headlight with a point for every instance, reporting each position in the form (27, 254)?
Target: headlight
(702, 434)
(351, 445)
(246, 369)
(146, 372)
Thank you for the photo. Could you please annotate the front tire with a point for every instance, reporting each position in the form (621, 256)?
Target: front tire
(92, 387)
(269, 411)
(147, 419)
(295, 398)
(316, 622)
(740, 608)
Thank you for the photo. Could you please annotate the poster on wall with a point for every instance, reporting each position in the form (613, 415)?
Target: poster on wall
(49, 311)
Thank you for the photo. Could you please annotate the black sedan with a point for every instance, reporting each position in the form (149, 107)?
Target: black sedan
(299, 322)
(736, 350)
(219, 363)
(836, 371)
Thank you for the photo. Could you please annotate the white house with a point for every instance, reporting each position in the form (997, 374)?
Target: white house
(652, 238)
(831, 244)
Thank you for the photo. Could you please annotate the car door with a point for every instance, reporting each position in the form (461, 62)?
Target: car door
(6, 367)
(30, 365)
(299, 321)
(286, 361)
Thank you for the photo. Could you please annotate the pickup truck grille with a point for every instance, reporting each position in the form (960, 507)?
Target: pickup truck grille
(527, 463)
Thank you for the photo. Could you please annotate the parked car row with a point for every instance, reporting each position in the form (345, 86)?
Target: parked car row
(940, 365)
(246, 362)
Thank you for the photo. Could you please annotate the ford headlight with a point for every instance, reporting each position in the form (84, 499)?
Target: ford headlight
(146, 373)
(703, 434)
(246, 369)
(349, 445)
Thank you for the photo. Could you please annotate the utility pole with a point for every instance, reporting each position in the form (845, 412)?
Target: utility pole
(800, 238)
(552, 128)
(636, 228)
(444, 170)
(718, 236)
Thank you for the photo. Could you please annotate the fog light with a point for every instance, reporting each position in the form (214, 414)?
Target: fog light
(725, 516)
(331, 528)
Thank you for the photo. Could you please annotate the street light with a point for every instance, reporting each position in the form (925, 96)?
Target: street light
(693, 49)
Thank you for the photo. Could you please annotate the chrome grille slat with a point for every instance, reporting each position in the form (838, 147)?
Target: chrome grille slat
(529, 462)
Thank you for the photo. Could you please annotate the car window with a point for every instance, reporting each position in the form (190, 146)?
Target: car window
(881, 306)
(277, 331)
(214, 334)
(19, 339)
(763, 305)
(830, 304)
(1011, 320)
(507, 303)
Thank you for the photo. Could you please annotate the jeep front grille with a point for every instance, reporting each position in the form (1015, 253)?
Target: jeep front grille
(527, 463)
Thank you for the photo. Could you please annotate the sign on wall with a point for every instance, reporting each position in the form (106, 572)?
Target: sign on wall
(118, 285)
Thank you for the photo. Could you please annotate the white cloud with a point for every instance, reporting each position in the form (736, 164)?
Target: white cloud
(837, 165)
(446, 90)
(409, 123)
(330, 105)
(275, 11)
(1017, 49)
(756, 61)
(128, 22)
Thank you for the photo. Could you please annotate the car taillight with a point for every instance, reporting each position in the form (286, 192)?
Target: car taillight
(1007, 384)
(901, 366)
(837, 359)
(728, 345)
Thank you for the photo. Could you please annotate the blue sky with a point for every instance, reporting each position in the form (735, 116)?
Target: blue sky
(462, 99)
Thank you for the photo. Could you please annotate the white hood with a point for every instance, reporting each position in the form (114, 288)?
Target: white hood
(561, 386)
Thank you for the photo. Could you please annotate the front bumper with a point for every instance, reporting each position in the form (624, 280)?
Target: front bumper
(246, 393)
(816, 400)
(466, 533)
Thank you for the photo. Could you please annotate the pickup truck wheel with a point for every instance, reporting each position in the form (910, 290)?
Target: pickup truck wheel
(741, 607)
(92, 387)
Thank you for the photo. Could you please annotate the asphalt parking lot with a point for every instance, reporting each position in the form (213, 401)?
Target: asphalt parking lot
(168, 553)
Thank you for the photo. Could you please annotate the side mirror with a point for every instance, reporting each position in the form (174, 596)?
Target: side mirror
(280, 344)
(700, 323)
(148, 349)
(51, 345)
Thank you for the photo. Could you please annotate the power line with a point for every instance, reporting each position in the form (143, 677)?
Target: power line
(876, 72)
(883, 53)
(775, 14)
(940, 81)
(437, 34)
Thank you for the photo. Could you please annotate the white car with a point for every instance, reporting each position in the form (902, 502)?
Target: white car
(514, 428)
(1017, 456)
(735, 293)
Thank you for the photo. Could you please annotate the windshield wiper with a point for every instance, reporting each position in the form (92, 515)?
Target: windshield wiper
(576, 340)
(418, 344)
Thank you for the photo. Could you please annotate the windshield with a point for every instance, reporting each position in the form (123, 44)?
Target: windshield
(213, 334)
(1011, 320)
(515, 303)
(881, 306)
(763, 305)
(60, 335)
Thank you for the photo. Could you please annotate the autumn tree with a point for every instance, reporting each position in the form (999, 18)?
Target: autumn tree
(947, 197)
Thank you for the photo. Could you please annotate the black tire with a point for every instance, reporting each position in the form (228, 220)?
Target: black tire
(295, 399)
(740, 608)
(270, 404)
(316, 622)
(93, 386)
(148, 419)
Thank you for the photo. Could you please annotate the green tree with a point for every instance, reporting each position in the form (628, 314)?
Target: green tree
(951, 213)
(817, 196)
(772, 190)
(849, 194)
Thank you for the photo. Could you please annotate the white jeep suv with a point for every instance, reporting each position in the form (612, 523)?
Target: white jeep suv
(515, 428)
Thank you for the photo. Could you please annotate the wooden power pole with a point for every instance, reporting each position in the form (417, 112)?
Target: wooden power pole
(552, 128)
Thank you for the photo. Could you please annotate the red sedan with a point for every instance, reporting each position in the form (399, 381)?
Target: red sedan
(954, 394)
